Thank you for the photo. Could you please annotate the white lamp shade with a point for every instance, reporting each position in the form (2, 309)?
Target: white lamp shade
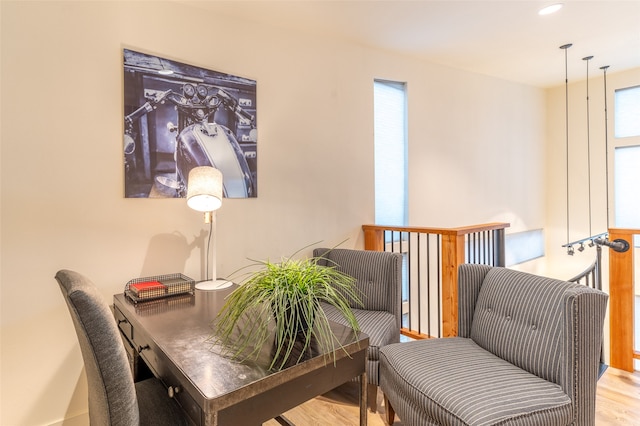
(204, 189)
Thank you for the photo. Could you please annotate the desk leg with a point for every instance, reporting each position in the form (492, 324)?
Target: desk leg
(363, 399)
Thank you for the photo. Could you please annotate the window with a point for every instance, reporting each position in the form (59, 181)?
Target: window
(390, 151)
(390, 162)
(627, 112)
(626, 184)
(523, 246)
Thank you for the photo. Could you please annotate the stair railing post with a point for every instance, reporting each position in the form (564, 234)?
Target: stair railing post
(621, 302)
(498, 247)
(452, 256)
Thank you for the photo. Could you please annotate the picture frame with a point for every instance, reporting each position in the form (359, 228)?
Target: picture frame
(179, 116)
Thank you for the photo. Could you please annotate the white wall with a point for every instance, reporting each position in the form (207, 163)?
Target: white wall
(476, 155)
(476, 152)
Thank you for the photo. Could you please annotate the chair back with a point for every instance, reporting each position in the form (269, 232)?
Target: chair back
(112, 395)
(520, 318)
(378, 276)
(548, 327)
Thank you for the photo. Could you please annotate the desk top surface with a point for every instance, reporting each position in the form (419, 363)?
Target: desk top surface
(180, 327)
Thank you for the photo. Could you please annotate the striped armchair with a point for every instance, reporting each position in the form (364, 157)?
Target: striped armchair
(527, 353)
(378, 277)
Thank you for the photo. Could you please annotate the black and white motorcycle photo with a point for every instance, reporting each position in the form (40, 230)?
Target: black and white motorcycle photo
(178, 117)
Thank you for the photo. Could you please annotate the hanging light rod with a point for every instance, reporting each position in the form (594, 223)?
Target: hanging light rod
(606, 140)
(591, 241)
(550, 9)
(566, 120)
(587, 240)
(587, 59)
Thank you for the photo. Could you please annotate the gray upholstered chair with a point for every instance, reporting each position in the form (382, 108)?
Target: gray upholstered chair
(379, 278)
(527, 353)
(114, 399)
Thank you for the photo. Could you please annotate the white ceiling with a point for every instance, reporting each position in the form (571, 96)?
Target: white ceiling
(505, 38)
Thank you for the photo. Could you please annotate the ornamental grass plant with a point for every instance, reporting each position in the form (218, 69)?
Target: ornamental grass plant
(281, 301)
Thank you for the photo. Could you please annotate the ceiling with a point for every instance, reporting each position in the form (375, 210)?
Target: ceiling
(505, 39)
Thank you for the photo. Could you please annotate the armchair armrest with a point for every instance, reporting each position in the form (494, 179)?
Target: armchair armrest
(584, 315)
(470, 278)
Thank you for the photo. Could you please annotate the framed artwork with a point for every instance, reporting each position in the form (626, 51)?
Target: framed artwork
(178, 116)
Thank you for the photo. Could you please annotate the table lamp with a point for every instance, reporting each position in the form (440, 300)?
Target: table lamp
(204, 194)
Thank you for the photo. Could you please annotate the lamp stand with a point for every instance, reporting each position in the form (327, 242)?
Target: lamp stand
(211, 284)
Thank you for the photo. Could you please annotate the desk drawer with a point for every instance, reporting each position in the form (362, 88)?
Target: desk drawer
(158, 363)
(142, 332)
(139, 369)
(182, 396)
(123, 324)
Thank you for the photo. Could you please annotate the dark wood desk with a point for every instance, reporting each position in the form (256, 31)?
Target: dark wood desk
(170, 336)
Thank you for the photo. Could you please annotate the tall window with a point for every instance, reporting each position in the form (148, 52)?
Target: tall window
(390, 150)
(626, 184)
(627, 112)
(390, 140)
(627, 158)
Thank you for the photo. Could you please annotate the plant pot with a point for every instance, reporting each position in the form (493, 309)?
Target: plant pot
(299, 351)
(291, 291)
(294, 315)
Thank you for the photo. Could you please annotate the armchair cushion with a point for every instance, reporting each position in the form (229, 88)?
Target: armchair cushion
(454, 381)
(380, 326)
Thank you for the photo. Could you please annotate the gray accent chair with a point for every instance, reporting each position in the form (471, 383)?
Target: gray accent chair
(114, 399)
(527, 353)
(379, 279)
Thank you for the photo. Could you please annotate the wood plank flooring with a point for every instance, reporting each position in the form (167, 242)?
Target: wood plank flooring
(618, 399)
(617, 404)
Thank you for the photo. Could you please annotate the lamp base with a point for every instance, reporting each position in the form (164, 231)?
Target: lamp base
(213, 285)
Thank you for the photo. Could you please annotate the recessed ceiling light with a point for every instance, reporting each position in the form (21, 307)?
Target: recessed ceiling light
(550, 9)
(165, 72)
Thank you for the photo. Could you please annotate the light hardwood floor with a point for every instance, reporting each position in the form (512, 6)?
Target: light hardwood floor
(617, 404)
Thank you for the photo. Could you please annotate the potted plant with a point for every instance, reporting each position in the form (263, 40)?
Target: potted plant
(283, 300)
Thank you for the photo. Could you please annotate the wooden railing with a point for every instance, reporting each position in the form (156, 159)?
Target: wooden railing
(430, 269)
(621, 300)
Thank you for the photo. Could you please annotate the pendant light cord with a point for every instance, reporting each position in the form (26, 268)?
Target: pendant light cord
(606, 141)
(587, 59)
(566, 107)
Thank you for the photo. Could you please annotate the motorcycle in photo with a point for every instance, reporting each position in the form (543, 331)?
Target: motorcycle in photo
(199, 140)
